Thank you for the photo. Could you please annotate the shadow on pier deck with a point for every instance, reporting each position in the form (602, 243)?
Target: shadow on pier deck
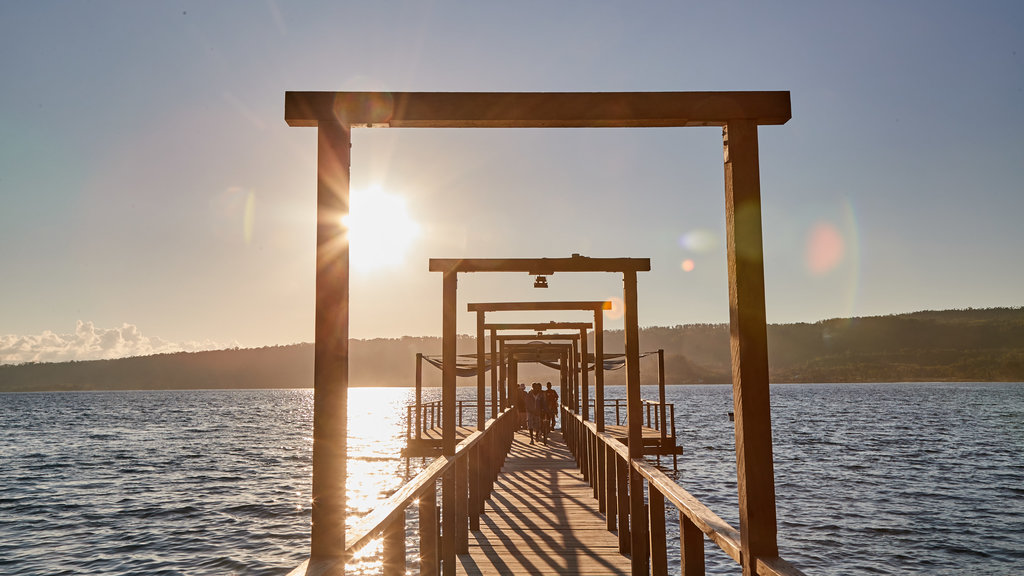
(542, 518)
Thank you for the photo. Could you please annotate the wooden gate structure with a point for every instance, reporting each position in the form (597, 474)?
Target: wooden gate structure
(336, 114)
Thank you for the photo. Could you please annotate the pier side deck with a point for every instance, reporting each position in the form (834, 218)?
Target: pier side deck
(542, 518)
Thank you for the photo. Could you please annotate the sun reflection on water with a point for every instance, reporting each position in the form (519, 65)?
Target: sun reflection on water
(376, 425)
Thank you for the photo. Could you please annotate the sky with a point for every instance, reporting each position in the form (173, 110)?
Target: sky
(152, 198)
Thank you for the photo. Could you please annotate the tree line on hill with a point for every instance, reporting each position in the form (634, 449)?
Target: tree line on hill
(952, 345)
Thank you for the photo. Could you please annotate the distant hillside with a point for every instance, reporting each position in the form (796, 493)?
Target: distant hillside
(953, 345)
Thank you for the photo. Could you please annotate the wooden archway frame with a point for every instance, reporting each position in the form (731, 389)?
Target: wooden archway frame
(335, 114)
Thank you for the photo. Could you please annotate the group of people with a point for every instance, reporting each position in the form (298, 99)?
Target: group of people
(538, 410)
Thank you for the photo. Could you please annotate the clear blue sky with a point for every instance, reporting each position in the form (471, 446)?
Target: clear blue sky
(152, 197)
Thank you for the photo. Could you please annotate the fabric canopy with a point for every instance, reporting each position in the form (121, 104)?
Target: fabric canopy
(466, 366)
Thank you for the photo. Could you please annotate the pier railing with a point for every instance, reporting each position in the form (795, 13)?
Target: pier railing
(467, 479)
(656, 415)
(427, 415)
(607, 467)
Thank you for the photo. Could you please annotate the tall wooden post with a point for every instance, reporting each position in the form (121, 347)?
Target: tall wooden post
(497, 399)
(330, 363)
(449, 488)
(634, 431)
(419, 393)
(585, 374)
(574, 383)
(599, 369)
(661, 397)
(506, 392)
(563, 372)
(481, 376)
(748, 342)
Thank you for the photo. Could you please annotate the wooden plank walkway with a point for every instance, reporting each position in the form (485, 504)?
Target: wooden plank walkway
(542, 518)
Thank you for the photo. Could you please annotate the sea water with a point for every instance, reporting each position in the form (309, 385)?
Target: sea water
(870, 478)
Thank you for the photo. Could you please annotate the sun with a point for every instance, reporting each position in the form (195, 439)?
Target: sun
(380, 230)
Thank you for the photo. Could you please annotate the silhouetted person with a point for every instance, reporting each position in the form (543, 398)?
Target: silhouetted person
(536, 404)
(552, 405)
(520, 403)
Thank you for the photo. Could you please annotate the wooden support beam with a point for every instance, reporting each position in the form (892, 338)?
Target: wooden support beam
(538, 306)
(449, 485)
(584, 391)
(599, 370)
(749, 345)
(481, 375)
(540, 266)
(419, 393)
(497, 399)
(330, 356)
(634, 408)
(535, 326)
(534, 109)
(428, 525)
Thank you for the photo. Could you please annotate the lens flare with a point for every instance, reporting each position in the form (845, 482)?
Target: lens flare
(618, 309)
(700, 241)
(825, 248)
(688, 265)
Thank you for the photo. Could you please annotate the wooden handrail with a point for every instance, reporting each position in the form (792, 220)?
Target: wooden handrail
(393, 508)
(717, 530)
(776, 566)
(710, 524)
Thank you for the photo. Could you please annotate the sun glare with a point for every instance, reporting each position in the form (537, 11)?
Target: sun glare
(380, 230)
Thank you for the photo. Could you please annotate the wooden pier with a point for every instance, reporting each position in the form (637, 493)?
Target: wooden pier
(629, 492)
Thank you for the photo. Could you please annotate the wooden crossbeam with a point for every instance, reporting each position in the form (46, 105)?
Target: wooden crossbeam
(538, 306)
(540, 266)
(534, 109)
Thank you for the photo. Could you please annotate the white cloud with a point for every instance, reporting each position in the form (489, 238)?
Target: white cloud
(91, 343)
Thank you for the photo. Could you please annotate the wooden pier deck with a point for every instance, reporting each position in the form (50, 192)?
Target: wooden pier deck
(542, 518)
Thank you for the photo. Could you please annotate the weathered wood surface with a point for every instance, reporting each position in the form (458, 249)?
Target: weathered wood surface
(542, 519)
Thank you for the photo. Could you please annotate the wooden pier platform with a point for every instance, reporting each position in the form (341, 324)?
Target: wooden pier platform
(542, 518)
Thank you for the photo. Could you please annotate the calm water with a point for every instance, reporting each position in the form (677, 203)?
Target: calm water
(871, 479)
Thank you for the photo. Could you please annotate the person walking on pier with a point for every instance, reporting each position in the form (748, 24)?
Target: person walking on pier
(552, 406)
(520, 404)
(536, 405)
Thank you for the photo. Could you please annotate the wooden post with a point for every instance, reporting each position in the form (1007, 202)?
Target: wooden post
(449, 483)
(428, 532)
(419, 393)
(691, 552)
(661, 398)
(563, 373)
(634, 411)
(748, 342)
(602, 478)
(610, 487)
(658, 548)
(503, 375)
(585, 388)
(394, 548)
(496, 406)
(573, 402)
(481, 377)
(599, 369)
(622, 495)
(461, 507)
(475, 486)
(330, 356)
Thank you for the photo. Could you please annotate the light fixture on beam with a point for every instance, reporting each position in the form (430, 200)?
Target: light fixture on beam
(541, 282)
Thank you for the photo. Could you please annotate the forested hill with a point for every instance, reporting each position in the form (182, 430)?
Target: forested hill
(954, 345)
